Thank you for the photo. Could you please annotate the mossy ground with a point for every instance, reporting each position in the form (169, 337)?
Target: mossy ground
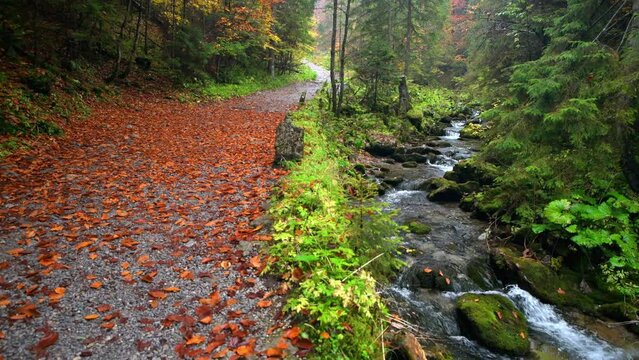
(495, 322)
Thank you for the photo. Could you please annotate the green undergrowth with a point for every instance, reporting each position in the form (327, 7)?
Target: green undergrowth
(334, 243)
(246, 85)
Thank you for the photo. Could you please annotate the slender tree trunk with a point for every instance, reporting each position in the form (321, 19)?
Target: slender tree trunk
(633, 40)
(135, 45)
(333, 45)
(146, 27)
(118, 61)
(342, 58)
(409, 35)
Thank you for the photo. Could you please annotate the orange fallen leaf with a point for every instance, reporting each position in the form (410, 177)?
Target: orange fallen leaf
(500, 315)
(83, 244)
(195, 339)
(158, 294)
(447, 281)
(264, 303)
(256, 262)
(171, 289)
(243, 350)
(187, 275)
(325, 335)
(108, 325)
(103, 307)
(121, 213)
(91, 317)
(522, 335)
(428, 270)
(96, 285)
(292, 333)
(561, 291)
(206, 320)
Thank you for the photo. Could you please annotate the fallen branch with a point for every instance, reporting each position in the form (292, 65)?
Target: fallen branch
(361, 267)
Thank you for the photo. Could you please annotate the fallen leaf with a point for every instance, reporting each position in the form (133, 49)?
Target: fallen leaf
(96, 285)
(195, 339)
(428, 270)
(158, 294)
(292, 333)
(264, 303)
(83, 244)
(560, 291)
(500, 315)
(91, 317)
(325, 335)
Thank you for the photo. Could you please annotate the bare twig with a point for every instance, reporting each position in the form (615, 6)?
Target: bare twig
(363, 266)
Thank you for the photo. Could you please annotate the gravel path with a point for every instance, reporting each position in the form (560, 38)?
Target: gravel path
(133, 237)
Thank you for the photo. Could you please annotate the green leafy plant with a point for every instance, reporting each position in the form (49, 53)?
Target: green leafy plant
(611, 226)
(332, 240)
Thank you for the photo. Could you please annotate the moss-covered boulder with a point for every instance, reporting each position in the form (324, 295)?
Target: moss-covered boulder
(442, 190)
(417, 227)
(544, 283)
(473, 170)
(471, 131)
(495, 322)
(483, 205)
(621, 311)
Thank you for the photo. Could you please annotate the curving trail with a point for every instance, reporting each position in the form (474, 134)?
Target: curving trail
(134, 235)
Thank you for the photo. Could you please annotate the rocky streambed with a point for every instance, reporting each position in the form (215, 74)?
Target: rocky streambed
(460, 289)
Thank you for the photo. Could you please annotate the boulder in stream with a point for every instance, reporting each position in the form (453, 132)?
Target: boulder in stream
(443, 190)
(542, 282)
(495, 322)
(471, 131)
(473, 170)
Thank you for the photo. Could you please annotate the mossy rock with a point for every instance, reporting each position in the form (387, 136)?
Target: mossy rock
(495, 322)
(410, 164)
(471, 131)
(415, 115)
(442, 190)
(473, 170)
(418, 227)
(557, 289)
(621, 311)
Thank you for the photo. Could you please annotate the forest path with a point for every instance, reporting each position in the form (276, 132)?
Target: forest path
(132, 236)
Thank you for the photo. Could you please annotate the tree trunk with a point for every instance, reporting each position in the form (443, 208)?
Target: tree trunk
(409, 35)
(135, 45)
(404, 97)
(333, 45)
(146, 27)
(118, 61)
(342, 58)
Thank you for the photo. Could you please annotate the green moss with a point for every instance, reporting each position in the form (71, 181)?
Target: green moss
(471, 131)
(473, 170)
(415, 114)
(551, 287)
(418, 227)
(495, 322)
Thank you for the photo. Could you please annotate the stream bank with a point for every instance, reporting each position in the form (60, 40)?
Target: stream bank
(453, 258)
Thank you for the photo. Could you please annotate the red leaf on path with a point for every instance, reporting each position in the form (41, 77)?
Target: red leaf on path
(195, 339)
(292, 333)
(187, 275)
(50, 337)
(158, 294)
(256, 262)
(244, 350)
(103, 308)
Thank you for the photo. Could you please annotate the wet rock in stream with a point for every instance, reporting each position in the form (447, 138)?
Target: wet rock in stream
(495, 322)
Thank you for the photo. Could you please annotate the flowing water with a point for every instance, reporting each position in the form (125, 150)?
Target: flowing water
(458, 246)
